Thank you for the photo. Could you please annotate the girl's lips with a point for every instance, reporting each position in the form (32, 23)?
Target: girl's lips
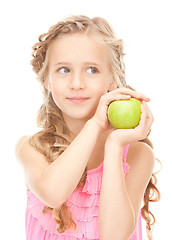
(77, 99)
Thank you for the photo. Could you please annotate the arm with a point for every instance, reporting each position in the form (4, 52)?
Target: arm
(120, 198)
(54, 183)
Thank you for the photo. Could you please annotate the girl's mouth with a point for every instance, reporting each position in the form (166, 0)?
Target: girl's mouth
(77, 100)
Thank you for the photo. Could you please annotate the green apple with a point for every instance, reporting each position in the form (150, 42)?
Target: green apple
(124, 114)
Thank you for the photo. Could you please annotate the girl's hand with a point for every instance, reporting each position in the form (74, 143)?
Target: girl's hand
(126, 136)
(120, 93)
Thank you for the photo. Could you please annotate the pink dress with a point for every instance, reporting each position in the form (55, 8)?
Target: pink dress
(83, 204)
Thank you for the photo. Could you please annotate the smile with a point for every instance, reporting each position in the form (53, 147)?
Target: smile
(77, 100)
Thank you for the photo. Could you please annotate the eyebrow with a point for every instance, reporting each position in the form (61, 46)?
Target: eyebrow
(62, 63)
(85, 63)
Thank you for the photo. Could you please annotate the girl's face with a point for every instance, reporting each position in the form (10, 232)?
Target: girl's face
(78, 74)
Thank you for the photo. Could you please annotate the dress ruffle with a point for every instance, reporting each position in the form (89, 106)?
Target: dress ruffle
(36, 231)
(83, 204)
(86, 219)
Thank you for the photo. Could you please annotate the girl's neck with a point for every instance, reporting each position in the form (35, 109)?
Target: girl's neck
(74, 125)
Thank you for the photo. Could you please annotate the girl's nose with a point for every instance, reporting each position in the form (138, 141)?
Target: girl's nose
(77, 81)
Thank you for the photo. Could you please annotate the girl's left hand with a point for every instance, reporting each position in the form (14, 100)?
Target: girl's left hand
(123, 137)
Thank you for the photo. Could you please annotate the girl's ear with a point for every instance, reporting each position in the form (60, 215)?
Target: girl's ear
(47, 85)
(113, 85)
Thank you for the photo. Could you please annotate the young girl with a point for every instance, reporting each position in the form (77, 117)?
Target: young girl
(85, 180)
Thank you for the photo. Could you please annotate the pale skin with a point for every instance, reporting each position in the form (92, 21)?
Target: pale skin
(82, 86)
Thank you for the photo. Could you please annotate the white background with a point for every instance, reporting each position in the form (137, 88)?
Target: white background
(145, 27)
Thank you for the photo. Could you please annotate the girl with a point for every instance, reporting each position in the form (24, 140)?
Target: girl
(85, 180)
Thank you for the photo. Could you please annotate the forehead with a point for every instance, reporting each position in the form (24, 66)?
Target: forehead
(78, 47)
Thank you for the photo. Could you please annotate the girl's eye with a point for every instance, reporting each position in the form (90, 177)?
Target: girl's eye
(64, 70)
(92, 70)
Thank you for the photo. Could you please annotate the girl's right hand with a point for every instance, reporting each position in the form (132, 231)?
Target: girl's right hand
(100, 115)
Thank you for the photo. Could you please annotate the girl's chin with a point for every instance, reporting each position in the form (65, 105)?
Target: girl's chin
(78, 116)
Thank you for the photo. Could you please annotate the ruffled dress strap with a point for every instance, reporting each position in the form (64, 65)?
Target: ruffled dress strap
(126, 167)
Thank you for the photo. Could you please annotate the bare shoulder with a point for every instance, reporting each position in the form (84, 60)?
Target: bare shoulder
(24, 151)
(33, 162)
(23, 147)
(141, 160)
(24, 140)
(140, 155)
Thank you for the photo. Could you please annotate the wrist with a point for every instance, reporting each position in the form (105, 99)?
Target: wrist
(113, 145)
(96, 125)
(113, 152)
(113, 140)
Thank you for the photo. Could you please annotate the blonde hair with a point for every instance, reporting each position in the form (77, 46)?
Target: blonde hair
(53, 139)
